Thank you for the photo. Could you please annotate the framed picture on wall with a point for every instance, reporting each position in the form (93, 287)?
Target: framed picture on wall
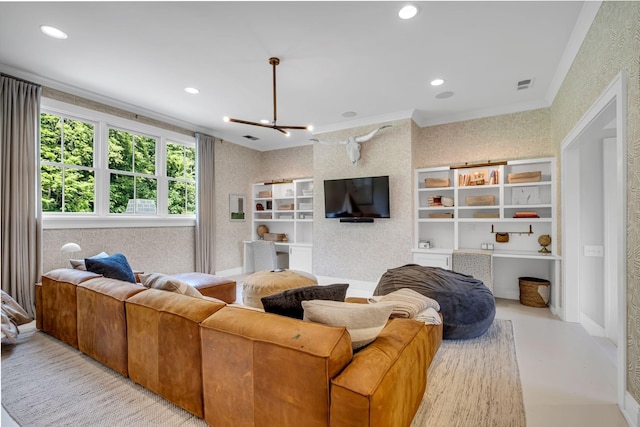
(236, 207)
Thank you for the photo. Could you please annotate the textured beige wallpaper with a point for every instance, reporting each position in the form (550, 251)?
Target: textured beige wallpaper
(167, 250)
(364, 251)
(612, 44)
(509, 136)
(235, 168)
(287, 163)
(48, 92)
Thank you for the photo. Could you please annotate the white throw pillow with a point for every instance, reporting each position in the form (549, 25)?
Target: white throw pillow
(169, 283)
(78, 264)
(363, 321)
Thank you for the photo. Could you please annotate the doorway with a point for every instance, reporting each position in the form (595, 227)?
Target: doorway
(593, 190)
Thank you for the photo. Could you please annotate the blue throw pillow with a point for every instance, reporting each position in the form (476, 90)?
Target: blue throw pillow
(115, 266)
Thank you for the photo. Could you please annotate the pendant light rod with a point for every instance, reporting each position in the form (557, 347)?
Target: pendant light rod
(274, 61)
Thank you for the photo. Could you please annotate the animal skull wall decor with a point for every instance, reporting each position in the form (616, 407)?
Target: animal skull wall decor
(352, 144)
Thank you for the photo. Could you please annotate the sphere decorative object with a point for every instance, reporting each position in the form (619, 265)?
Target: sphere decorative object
(544, 241)
(262, 230)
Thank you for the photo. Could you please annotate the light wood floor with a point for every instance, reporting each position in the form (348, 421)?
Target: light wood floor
(568, 377)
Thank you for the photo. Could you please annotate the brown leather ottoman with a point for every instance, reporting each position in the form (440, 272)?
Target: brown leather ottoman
(210, 285)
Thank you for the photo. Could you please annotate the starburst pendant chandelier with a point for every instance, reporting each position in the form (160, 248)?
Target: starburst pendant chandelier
(273, 125)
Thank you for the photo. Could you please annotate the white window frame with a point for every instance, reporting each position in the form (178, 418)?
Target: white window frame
(63, 165)
(101, 218)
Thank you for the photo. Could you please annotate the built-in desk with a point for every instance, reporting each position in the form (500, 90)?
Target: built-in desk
(294, 256)
(507, 267)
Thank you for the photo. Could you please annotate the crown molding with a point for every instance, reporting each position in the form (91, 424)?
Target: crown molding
(111, 102)
(423, 121)
(363, 121)
(583, 24)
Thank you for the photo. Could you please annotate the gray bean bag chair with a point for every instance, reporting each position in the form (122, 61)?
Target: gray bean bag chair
(466, 304)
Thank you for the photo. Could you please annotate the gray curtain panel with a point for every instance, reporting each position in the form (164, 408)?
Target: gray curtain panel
(21, 240)
(205, 205)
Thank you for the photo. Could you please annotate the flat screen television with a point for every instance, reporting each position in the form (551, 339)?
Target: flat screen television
(357, 198)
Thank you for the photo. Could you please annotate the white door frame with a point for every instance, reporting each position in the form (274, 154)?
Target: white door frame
(571, 248)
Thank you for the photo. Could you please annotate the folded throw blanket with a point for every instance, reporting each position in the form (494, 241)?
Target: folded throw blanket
(407, 302)
(429, 316)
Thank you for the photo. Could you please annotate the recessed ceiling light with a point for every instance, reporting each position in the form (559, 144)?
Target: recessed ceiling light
(265, 121)
(443, 95)
(191, 90)
(53, 32)
(436, 82)
(349, 114)
(408, 12)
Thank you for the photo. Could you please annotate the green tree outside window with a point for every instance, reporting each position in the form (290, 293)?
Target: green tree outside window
(134, 192)
(181, 173)
(66, 173)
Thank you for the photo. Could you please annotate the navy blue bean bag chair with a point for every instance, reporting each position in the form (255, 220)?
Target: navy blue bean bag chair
(466, 304)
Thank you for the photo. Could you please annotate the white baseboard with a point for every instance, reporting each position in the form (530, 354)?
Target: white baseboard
(593, 328)
(357, 288)
(631, 410)
(230, 272)
(506, 293)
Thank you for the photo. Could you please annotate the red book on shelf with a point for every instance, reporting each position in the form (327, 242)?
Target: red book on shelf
(526, 215)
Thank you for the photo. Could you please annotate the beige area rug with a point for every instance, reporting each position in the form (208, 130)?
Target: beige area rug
(45, 382)
(474, 383)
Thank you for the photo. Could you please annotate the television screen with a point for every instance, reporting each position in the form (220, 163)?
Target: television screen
(357, 197)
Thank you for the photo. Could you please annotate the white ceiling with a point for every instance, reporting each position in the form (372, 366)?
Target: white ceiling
(335, 57)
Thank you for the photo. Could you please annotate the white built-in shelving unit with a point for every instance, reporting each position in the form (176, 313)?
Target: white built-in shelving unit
(286, 208)
(462, 216)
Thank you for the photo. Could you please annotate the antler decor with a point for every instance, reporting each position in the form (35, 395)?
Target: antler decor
(353, 144)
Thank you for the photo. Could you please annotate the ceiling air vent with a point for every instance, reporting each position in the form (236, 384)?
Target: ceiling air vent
(251, 137)
(525, 84)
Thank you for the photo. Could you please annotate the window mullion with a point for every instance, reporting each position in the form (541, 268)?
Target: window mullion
(100, 161)
(161, 175)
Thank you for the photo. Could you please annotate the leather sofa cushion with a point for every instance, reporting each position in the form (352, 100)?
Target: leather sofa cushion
(164, 345)
(211, 285)
(59, 303)
(265, 369)
(102, 327)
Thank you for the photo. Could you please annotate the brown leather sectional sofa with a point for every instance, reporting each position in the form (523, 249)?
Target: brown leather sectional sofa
(238, 367)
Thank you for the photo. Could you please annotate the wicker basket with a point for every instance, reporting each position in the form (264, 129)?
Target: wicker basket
(534, 292)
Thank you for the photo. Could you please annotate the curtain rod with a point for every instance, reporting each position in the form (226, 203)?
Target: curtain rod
(19, 79)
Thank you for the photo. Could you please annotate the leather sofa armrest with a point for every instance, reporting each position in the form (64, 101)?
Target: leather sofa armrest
(357, 300)
(385, 381)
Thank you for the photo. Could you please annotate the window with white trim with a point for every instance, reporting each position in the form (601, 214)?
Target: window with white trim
(181, 174)
(97, 167)
(66, 164)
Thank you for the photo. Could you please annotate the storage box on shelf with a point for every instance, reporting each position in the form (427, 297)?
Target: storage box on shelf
(515, 198)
